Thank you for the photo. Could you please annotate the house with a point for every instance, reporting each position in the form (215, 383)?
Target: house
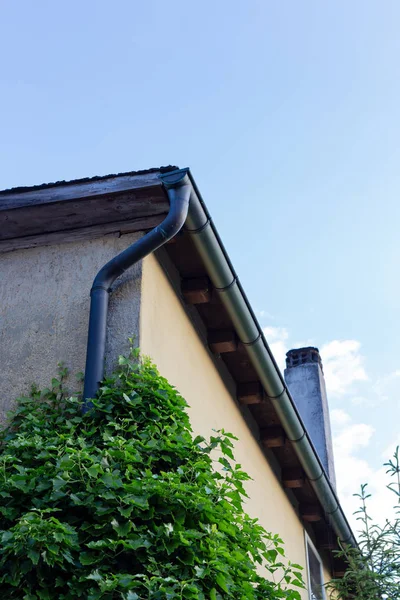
(176, 291)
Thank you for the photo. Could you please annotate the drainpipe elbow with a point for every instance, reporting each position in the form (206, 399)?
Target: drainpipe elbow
(179, 194)
(179, 190)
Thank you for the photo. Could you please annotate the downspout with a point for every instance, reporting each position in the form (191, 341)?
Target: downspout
(179, 189)
(225, 281)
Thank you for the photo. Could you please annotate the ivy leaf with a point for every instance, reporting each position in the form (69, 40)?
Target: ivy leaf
(125, 511)
(95, 576)
(88, 558)
(139, 501)
(93, 471)
(34, 556)
(134, 544)
(6, 536)
(122, 530)
(58, 483)
(220, 579)
(66, 463)
(111, 480)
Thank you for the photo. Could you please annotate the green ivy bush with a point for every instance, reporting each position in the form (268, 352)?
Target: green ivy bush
(123, 502)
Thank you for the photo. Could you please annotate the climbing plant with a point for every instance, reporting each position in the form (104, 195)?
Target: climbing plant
(125, 503)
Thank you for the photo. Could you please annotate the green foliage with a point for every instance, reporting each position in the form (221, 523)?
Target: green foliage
(124, 503)
(373, 571)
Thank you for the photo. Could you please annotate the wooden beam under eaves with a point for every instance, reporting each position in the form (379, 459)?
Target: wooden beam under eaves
(196, 290)
(250, 393)
(339, 567)
(273, 437)
(293, 477)
(327, 541)
(222, 341)
(310, 512)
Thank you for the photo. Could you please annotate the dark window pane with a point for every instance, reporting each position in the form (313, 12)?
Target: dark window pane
(315, 575)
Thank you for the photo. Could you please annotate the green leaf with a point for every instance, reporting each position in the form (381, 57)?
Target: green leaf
(95, 576)
(34, 556)
(139, 501)
(298, 583)
(111, 480)
(220, 579)
(198, 440)
(134, 544)
(59, 483)
(271, 555)
(75, 499)
(88, 558)
(66, 463)
(122, 530)
(125, 511)
(199, 571)
(93, 471)
(6, 536)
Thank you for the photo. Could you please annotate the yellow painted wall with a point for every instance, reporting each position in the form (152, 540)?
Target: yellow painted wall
(330, 595)
(169, 338)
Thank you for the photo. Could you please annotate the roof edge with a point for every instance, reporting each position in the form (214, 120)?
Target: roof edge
(225, 280)
(62, 183)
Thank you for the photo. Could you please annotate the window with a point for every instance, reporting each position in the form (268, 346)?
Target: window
(316, 590)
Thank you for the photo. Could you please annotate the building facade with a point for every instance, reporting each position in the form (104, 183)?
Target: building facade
(202, 336)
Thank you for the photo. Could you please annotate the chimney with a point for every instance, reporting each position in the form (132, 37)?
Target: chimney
(304, 377)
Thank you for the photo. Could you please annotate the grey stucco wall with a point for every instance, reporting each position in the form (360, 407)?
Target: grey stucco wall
(307, 386)
(44, 310)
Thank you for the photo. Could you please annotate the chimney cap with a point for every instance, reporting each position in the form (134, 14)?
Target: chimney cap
(302, 356)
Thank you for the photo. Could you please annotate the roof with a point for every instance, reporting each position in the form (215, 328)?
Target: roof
(82, 208)
(136, 201)
(63, 183)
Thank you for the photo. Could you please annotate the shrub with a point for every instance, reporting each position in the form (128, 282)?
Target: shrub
(123, 502)
(373, 568)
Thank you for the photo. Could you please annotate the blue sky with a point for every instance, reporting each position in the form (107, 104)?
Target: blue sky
(288, 115)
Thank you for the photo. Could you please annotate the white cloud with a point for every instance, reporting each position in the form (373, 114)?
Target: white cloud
(386, 386)
(339, 417)
(277, 340)
(360, 401)
(342, 360)
(343, 368)
(343, 365)
(263, 314)
(390, 448)
(353, 437)
(352, 470)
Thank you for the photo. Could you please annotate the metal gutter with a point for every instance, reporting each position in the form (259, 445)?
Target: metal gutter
(223, 276)
(179, 191)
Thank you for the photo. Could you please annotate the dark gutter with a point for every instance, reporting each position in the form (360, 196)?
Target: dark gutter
(224, 278)
(179, 190)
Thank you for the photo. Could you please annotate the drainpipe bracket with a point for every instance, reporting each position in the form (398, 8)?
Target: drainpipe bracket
(100, 287)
